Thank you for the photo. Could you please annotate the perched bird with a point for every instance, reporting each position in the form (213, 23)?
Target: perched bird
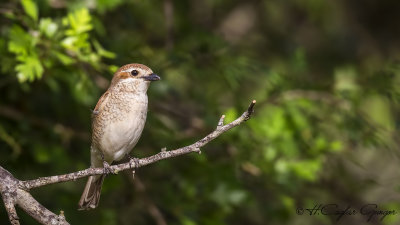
(117, 123)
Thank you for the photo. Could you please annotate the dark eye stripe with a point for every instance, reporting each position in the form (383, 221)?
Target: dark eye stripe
(134, 72)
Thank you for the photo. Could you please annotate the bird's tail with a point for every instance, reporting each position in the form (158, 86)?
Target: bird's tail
(91, 195)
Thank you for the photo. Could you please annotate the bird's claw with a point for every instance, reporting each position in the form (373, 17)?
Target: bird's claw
(107, 168)
(134, 161)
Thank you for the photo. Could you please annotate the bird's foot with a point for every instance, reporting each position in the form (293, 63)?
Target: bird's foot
(135, 162)
(107, 168)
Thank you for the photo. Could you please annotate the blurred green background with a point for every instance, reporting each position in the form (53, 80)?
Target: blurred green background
(325, 74)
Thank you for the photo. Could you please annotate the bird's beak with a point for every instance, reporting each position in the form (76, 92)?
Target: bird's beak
(152, 77)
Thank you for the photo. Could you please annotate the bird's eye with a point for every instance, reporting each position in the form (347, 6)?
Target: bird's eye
(134, 72)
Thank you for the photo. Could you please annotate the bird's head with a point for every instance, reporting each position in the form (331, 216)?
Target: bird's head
(134, 74)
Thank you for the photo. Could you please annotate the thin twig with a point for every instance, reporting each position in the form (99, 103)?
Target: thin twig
(29, 184)
(221, 121)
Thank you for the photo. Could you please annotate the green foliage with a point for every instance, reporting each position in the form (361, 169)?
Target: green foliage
(77, 35)
(50, 43)
(23, 45)
(30, 9)
(325, 75)
(48, 27)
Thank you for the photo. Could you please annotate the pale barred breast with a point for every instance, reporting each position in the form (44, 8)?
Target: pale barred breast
(119, 124)
(117, 102)
(119, 121)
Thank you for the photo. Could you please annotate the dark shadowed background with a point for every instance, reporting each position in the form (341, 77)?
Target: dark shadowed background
(325, 74)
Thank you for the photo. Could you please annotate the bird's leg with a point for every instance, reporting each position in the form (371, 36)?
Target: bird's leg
(136, 163)
(133, 160)
(106, 166)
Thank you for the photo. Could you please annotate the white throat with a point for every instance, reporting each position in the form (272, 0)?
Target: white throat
(135, 85)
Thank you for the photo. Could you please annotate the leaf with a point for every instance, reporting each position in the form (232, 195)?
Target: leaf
(79, 22)
(102, 52)
(65, 59)
(30, 9)
(69, 42)
(20, 41)
(76, 38)
(29, 69)
(48, 27)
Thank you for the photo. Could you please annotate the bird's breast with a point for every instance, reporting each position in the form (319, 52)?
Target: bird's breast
(121, 124)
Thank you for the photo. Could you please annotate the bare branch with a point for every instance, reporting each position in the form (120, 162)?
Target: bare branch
(8, 189)
(38, 211)
(15, 192)
(221, 121)
(12, 213)
(145, 161)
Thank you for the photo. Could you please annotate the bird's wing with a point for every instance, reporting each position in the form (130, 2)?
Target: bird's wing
(97, 121)
(101, 103)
